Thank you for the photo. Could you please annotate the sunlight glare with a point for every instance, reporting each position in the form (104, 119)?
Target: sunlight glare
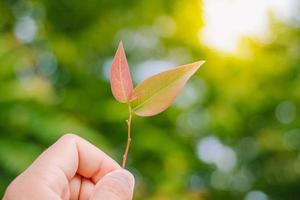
(227, 21)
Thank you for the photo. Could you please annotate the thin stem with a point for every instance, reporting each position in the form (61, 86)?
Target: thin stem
(128, 136)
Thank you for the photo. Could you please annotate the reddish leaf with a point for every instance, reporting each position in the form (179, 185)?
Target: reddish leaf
(120, 79)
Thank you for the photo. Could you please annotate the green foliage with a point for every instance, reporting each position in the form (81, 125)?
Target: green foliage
(55, 82)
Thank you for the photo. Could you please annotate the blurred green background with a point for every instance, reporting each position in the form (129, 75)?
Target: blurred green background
(233, 133)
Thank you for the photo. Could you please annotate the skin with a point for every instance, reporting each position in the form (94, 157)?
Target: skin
(72, 168)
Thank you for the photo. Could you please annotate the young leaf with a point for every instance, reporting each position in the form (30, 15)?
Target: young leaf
(158, 92)
(120, 79)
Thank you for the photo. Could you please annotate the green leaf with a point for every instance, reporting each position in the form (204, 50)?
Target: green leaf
(156, 93)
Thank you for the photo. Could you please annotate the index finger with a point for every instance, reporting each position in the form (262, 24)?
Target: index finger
(74, 155)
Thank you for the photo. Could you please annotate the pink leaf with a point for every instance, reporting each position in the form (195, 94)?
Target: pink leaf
(120, 79)
(157, 93)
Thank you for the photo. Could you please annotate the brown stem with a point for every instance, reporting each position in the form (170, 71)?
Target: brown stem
(128, 137)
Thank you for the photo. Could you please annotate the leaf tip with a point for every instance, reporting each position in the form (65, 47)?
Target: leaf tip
(200, 62)
(121, 45)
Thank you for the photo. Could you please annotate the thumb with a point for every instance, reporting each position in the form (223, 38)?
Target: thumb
(116, 185)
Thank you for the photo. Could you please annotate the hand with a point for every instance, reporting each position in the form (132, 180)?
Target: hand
(72, 168)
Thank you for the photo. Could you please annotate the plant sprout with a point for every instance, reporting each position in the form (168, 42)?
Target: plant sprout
(150, 97)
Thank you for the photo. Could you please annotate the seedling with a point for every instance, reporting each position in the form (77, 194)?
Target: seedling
(150, 97)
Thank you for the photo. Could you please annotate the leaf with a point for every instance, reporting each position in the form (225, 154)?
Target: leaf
(120, 79)
(159, 91)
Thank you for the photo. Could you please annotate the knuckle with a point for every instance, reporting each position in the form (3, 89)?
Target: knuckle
(118, 190)
(130, 178)
(121, 186)
(127, 177)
